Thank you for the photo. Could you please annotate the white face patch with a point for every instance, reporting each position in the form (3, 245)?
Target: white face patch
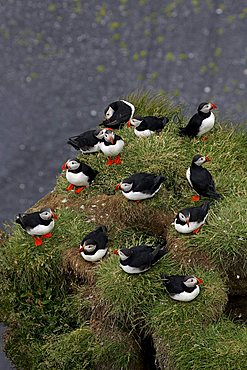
(89, 248)
(125, 186)
(109, 113)
(135, 122)
(191, 282)
(182, 217)
(46, 215)
(200, 161)
(72, 165)
(122, 256)
(206, 108)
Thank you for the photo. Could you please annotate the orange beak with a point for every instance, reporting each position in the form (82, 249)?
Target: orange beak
(129, 123)
(207, 158)
(112, 140)
(64, 166)
(213, 106)
(81, 248)
(188, 222)
(54, 216)
(117, 187)
(115, 251)
(199, 281)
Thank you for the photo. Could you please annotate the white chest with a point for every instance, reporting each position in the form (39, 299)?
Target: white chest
(77, 179)
(145, 133)
(184, 229)
(112, 150)
(41, 229)
(185, 296)
(97, 256)
(207, 124)
(133, 270)
(137, 195)
(188, 177)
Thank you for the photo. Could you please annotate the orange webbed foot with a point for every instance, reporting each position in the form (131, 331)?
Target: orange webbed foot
(109, 162)
(196, 231)
(78, 190)
(195, 198)
(37, 241)
(118, 160)
(70, 187)
(46, 236)
(204, 138)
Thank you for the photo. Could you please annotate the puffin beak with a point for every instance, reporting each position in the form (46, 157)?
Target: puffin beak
(199, 281)
(115, 251)
(117, 187)
(188, 222)
(112, 140)
(54, 216)
(64, 166)
(207, 158)
(81, 248)
(129, 123)
(213, 106)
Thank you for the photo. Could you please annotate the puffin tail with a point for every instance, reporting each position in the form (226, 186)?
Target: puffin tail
(102, 228)
(160, 250)
(206, 205)
(73, 142)
(164, 277)
(214, 195)
(165, 120)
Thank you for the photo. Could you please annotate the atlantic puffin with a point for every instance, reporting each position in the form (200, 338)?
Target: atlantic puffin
(93, 246)
(201, 122)
(118, 113)
(140, 258)
(140, 186)
(191, 219)
(78, 174)
(182, 288)
(38, 224)
(147, 126)
(87, 142)
(112, 145)
(200, 179)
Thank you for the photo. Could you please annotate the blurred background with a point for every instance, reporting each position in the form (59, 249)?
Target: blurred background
(64, 61)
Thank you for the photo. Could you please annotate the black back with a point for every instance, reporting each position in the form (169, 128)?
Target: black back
(145, 182)
(122, 113)
(87, 170)
(175, 284)
(192, 129)
(31, 220)
(84, 141)
(197, 214)
(144, 256)
(99, 237)
(152, 123)
(202, 181)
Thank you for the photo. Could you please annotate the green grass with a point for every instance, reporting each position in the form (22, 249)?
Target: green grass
(57, 322)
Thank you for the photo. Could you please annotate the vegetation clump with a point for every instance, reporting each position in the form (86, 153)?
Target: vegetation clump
(64, 313)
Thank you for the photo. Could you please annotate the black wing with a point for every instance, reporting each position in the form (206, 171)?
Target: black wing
(89, 171)
(84, 141)
(122, 113)
(146, 182)
(192, 127)
(29, 220)
(173, 283)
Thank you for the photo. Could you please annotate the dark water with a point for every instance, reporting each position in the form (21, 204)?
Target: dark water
(4, 362)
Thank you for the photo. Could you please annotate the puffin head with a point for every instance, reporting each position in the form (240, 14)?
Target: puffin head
(124, 186)
(206, 107)
(135, 121)
(123, 253)
(100, 133)
(184, 216)
(109, 136)
(199, 159)
(89, 246)
(72, 164)
(192, 281)
(109, 112)
(47, 214)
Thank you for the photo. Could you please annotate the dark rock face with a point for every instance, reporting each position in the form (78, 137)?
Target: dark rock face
(63, 62)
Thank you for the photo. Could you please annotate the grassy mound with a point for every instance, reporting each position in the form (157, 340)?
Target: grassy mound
(65, 313)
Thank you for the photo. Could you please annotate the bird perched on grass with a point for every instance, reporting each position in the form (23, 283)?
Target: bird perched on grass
(118, 113)
(112, 145)
(140, 258)
(93, 246)
(147, 126)
(140, 186)
(38, 224)
(201, 122)
(87, 142)
(78, 174)
(200, 179)
(182, 288)
(191, 219)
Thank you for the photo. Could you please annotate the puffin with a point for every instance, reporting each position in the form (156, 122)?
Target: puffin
(117, 113)
(38, 224)
(94, 246)
(191, 219)
(201, 122)
(78, 174)
(140, 258)
(200, 179)
(147, 126)
(182, 288)
(112, 145)
(87, 142)
(140, 186)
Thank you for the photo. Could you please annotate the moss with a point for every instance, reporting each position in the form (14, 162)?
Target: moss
(61, 310)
